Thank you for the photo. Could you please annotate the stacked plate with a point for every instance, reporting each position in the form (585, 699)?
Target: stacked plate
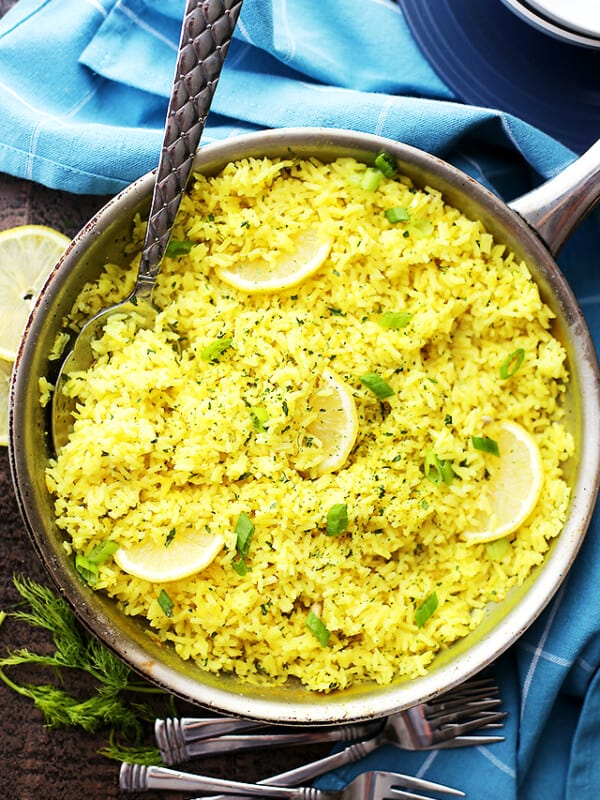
(507, 55)
(573, 21)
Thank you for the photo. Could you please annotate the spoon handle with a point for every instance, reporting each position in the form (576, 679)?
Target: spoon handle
(205, 36)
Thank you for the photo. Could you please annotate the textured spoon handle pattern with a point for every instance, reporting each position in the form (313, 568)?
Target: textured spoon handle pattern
(205, 36)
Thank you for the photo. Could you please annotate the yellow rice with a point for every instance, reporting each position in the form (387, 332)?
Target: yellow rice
(164, 440)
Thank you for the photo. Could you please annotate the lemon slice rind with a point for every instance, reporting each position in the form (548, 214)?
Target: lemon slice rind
(336, 427)
(288, 271)
(5, 373)
(161, 564)
(27, 255)
(514, 487)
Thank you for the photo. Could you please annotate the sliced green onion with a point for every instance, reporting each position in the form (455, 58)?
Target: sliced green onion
(497, 549)
(486, 445)
(512, 363)
(87, 569)
(244, 528)
(371, 179)
(239, 565)
(386, 164)
(423, 227)
(426, 609)
(394, 320)
(102, 552)
(337, 519)
(437, 470)
(317, 628)
(259, 415)
(215, 349)
(397, 214)
(181, 248)
(166, 604)
(87, 566)
(377, 385)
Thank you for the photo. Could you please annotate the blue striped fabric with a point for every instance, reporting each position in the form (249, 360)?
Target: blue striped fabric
(83, 86)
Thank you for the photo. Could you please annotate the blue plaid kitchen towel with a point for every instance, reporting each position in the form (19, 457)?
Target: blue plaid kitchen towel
(83, 88)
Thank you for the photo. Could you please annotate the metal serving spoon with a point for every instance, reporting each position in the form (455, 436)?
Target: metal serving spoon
(206, 31)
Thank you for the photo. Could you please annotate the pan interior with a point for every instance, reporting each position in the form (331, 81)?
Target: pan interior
(102, 241)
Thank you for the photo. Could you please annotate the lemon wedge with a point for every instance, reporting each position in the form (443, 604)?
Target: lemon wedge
(27, 255)
(336, 424)
(514, 487)
(187, 554)
(5, 373)
(289, 269)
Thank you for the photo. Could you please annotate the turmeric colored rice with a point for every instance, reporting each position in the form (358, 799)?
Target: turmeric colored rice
(165, 440)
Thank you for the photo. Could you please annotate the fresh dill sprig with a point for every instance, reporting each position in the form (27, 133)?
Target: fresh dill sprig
(108, 705)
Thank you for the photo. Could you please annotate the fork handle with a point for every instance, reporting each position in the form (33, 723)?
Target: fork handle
(308, 772)
(182, 747)
(139, 777)
(205, 36)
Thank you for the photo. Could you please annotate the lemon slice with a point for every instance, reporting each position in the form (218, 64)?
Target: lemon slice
(290, 269)
(5, 372)
(514, 487)
(187, 554)
(336, 425)
(27, 255)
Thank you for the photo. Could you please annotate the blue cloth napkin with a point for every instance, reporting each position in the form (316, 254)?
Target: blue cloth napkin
(83, 87)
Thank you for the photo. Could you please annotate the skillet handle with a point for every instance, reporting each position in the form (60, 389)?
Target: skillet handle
(556, 208)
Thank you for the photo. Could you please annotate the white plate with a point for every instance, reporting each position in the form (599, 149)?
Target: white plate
(548, 26)
(580, 16)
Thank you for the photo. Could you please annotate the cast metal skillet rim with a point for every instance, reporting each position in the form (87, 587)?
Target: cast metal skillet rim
(293, 706)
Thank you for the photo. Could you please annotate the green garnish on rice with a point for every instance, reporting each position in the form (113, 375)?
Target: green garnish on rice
(317, 628)
(222, 423)
(380, 388)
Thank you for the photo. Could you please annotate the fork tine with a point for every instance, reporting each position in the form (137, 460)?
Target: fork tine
(459, 729)
(466, 741)
(396, 793)
(476, 709)
(459, 697)
(402, 794)
(398, 781)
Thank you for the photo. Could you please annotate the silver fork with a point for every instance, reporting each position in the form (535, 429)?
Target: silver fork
(143, 777)
(374, 785)
(441, 723)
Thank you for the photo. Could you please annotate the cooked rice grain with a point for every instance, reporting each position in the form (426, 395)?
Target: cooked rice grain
(164, 440)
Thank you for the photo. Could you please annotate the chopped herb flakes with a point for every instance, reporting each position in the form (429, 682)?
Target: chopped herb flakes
(170, 536)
